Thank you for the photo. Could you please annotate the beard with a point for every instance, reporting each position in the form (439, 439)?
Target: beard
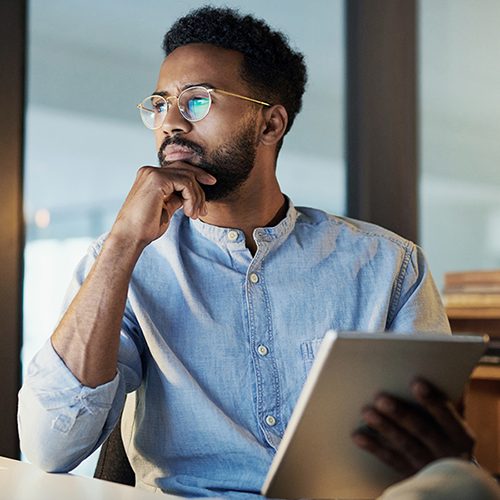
(231, 164)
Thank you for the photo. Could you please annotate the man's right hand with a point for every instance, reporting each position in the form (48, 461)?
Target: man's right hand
(156, 194)
(87, 338)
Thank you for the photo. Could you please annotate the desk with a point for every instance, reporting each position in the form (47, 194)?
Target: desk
(22, 481)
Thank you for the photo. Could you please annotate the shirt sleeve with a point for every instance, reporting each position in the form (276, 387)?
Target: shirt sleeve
(61, 422)
(416, 304)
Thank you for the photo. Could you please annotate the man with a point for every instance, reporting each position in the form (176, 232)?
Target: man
(211, 293)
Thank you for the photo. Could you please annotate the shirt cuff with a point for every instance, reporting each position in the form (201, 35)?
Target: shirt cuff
(53, 384)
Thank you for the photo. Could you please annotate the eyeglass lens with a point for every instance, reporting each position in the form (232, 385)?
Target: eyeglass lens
(194, 104)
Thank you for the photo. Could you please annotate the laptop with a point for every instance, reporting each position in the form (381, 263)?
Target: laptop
(317, 458)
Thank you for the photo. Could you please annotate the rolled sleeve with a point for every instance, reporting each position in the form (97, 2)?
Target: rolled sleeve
(60, 420)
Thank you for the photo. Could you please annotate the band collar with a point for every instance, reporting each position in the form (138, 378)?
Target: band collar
(280, 231)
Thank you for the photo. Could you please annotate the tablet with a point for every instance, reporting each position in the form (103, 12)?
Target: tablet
(317, 458)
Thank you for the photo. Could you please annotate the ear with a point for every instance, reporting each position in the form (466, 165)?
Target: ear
(274, 126)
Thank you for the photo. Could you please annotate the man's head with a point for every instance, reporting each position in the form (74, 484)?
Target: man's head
(272, 70)
(245, 87)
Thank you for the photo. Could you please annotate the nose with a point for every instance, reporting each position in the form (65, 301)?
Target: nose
(174, 123)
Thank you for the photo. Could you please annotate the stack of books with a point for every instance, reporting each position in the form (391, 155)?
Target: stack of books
(472, 294)
(475, 295)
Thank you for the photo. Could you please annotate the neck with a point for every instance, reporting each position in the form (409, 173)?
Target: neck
(248, 210)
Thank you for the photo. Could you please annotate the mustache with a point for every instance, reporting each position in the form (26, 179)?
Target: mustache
(183, 142)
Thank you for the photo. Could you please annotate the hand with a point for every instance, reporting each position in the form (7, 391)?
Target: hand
(410, 436)
(156, 194)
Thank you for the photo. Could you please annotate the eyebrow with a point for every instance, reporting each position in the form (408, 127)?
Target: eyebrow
(189, 85)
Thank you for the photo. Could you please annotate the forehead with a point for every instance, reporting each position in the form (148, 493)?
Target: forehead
(201, 63)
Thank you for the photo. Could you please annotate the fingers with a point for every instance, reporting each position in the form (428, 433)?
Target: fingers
(391, 441)
(181, 181)
(447, 416)
(413, 421)
(409, 436)
(156, 194)
(180, 188)
(365, 439)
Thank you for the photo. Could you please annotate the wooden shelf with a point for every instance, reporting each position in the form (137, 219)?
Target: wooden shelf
(482, 397)
(486, 372)
(478, 325)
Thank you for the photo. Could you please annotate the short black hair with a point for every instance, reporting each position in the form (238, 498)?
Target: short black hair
(270, 66)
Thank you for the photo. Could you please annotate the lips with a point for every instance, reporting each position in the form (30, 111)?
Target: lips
(177, 153)
(178, 148)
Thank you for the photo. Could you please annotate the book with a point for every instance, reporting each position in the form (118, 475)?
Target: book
(465, 291)
(471, 299)
(462, 278)
(473, 312)
(472, 288)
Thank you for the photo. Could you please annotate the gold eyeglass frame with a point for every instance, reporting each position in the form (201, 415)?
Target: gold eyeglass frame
(169, 104)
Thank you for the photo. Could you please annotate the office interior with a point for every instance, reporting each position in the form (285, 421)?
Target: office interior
(400, 126)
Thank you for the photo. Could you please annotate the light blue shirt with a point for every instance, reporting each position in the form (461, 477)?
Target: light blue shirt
(216, 345)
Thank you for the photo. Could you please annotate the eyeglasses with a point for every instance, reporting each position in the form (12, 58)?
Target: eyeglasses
(193, 103)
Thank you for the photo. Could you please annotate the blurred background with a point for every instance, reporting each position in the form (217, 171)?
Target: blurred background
(90, 62)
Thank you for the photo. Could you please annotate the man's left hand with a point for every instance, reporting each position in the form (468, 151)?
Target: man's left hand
(408, 436)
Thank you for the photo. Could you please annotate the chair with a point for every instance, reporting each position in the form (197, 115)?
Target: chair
(113, 464)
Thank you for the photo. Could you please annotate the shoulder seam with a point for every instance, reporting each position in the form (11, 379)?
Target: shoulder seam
(339, 221)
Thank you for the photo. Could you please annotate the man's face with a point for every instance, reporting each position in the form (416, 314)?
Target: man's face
(224, 142)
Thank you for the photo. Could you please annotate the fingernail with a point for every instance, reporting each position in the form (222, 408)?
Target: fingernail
(360, 440)
(372, 418)
(386, 405)
(422, 388)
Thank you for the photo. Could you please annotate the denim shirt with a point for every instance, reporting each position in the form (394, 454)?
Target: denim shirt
(216, 345)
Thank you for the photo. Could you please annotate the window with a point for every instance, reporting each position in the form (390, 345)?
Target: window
(459, 135)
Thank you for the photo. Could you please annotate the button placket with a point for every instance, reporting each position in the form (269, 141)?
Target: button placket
(261, 338)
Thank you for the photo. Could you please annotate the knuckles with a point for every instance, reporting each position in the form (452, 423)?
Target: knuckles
(160, 177)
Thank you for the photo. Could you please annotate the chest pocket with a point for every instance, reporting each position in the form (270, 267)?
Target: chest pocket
(309, 351)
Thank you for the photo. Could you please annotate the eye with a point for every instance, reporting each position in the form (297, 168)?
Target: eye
(159, 105)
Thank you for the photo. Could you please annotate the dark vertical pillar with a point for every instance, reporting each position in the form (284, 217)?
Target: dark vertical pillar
(12, 100)
(381, 113)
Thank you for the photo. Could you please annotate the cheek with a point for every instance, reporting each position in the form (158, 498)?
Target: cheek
(210, 134)
(216, 132)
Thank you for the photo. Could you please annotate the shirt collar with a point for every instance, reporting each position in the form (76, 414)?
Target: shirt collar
(280, 231)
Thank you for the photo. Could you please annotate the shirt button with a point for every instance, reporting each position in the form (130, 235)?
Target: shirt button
(232, 235)
(262, 350)
(270, 421)
(254, 278)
